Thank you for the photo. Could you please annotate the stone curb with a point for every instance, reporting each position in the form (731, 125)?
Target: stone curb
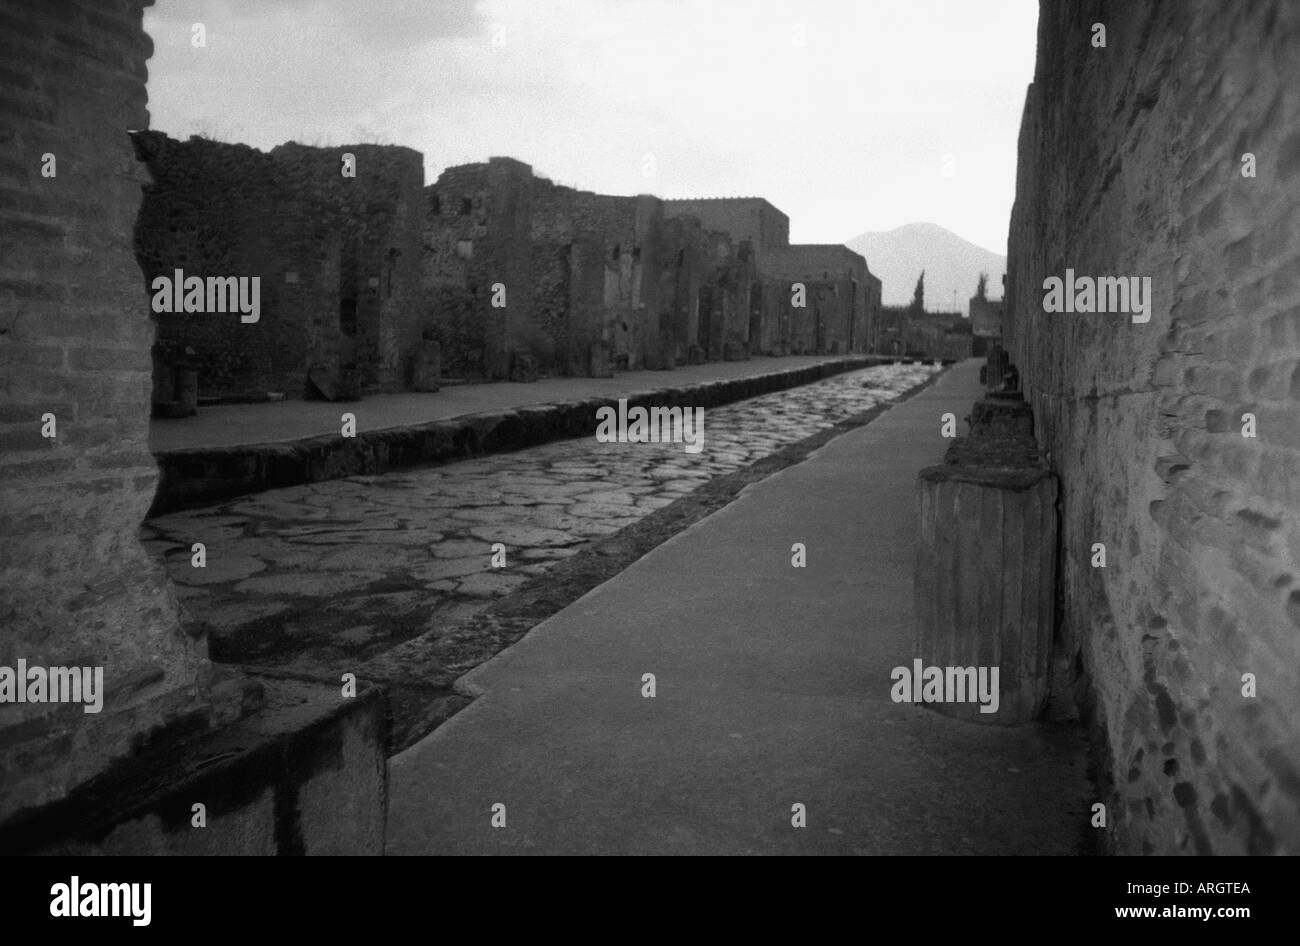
(205, 475)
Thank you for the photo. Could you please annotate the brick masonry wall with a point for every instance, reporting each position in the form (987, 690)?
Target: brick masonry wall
(76, 587)
(1131, 164)
(456, 223)
(651, 281)
(380, 215)
(290, 218)
(216, 209)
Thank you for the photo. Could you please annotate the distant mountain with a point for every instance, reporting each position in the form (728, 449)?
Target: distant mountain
(897, 257)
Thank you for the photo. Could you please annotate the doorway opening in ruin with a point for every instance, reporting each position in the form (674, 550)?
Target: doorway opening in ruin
(755, 316)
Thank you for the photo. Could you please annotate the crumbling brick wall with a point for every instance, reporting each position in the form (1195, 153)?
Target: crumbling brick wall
(76, 588)
(316, 239)
(216, 209)
(1131, 164)
(373, 221)
(477, 230)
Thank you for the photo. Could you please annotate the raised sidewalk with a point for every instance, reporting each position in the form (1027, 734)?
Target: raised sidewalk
(772, 689)
(227, 450)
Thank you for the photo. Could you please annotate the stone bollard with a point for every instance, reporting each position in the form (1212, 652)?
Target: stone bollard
(985, 575)
(1002, 416)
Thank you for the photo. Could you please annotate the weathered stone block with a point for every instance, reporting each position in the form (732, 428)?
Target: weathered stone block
(1001, 417)
(985, 582)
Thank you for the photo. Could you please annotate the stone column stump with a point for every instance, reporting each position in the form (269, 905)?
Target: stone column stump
(985, 574)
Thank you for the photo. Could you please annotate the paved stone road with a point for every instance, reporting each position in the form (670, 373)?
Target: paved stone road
(313, 578)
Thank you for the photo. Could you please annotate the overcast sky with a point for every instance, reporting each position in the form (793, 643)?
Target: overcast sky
(849, 115)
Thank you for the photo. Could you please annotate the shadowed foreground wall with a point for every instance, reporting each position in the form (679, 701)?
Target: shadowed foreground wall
(1130, 164)
(76, 587)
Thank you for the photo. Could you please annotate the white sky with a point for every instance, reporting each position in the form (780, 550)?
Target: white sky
(845, 133)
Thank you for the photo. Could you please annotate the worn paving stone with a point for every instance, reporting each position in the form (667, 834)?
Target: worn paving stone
(313, 584)
(491, 584)
(522, 535)
(408, 537)
(221, 567)
(451, 567)
(462, 548)
(371, 558)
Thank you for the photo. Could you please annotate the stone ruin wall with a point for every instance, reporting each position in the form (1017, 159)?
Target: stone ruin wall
(75, 339)
(292, 219)
(1130, 163)
(848, 313)
(374, 223)
(597, 270)
(215, 209)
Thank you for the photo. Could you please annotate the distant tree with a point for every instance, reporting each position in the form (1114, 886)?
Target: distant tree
(982, 290)
(918, 294)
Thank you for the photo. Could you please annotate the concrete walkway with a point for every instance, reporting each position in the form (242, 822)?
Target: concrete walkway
(772, 689)
(231, 425)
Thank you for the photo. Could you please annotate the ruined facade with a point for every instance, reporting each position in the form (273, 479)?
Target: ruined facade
(841, 300)
(338, 258)
(1173, 155)
(79, 590)
(526, 276)
(842, 303)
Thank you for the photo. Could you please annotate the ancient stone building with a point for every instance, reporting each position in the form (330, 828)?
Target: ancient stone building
(842, 303)
(942, 335)
(609, 252)
(476, 235)
(526, 276)
(1172, 153)
(337, 255)
(842, 298)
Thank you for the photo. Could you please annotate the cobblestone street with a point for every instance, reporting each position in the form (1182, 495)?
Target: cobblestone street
(316, 578)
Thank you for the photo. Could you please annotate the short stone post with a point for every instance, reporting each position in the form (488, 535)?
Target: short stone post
(986, 566)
